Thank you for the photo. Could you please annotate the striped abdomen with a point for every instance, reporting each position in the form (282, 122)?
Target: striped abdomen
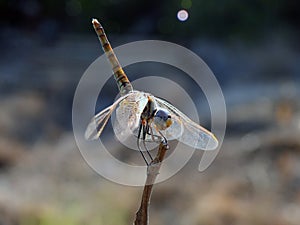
(119, 74)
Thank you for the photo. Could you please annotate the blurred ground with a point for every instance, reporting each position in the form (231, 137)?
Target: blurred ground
(255, 179)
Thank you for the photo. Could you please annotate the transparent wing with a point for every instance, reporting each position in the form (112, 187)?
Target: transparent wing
(128, 119)
(191, 133)
(97, 124)
(128, 115)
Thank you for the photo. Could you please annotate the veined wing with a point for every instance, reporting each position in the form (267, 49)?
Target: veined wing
(97, 124)
(192, 134)
(128, 114)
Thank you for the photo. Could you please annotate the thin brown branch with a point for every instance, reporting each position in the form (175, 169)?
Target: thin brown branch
(141, 217)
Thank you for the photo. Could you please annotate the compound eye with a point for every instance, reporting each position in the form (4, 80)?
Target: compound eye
(162, 114)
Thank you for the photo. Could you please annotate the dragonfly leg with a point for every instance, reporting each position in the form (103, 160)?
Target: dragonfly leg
(141, 151)
(147, 150)
(153, 136)
(138, 144)
(145, 132)
(164, 139)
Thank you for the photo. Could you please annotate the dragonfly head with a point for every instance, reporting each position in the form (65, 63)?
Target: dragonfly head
(162, 119)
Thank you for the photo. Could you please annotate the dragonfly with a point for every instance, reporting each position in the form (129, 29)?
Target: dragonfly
(147, 117)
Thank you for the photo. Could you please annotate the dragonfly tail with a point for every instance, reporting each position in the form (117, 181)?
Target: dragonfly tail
(119, 74)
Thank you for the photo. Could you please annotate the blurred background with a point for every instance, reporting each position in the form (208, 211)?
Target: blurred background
(251, 46)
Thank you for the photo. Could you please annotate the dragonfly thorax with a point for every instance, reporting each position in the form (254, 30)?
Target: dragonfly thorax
(162, 119)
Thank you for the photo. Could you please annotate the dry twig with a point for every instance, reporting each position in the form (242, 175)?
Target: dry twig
(141, 217)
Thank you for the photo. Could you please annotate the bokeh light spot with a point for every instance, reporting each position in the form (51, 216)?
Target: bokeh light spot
(182, 15)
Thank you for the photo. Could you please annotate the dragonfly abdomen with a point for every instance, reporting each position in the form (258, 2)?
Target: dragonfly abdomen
(119, 74)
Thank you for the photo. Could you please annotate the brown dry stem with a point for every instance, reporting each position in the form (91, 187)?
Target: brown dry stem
(141, 217)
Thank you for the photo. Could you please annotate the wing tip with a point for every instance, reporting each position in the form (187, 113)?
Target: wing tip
(88, 135)
(213, 143)
(91, 132)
